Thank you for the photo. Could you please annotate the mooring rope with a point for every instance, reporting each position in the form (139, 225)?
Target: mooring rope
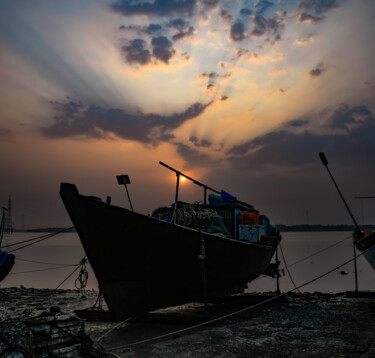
(35, 240)
(235, 312)
(45, 269)
(287, 269)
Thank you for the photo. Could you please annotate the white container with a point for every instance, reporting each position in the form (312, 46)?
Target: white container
(251, 233)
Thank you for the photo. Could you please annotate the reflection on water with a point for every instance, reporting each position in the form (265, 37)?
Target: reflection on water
(44, 265)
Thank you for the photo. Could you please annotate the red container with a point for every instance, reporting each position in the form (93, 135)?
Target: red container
(248, 218)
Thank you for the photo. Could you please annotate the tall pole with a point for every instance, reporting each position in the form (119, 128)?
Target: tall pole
(358, 231)
(176, 198)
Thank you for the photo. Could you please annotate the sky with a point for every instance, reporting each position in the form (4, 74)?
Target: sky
(240, 95)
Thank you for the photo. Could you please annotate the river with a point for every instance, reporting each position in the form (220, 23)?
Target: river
(48, 263)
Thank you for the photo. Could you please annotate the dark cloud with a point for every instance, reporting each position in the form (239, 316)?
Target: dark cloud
(135, 52)
(162, 48)
(313, 10)
(5, 133)
(237, 31)
(179, 24)
(151, 29)
(310, 18)
(212, 77)
(272, 26)
(286, 148)
(262, 5)
(318, 70)
(346, 118)
(223, 98)
(157, 7)
(184, 34)
(224, 14)
(297, 123)
(200, 143)
(210, 3)
(194, 156)
(245, 12)
(319, 6)
(73, 119)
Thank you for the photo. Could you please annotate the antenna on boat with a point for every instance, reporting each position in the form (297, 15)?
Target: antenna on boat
(182, 175)
(2, 225)
(357, 230)
(123, 180)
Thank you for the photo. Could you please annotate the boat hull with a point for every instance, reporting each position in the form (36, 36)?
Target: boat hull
(142, 263)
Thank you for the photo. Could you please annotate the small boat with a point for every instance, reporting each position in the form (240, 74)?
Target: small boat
(180, 254)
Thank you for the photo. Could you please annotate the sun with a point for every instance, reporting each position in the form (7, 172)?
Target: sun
(182, 178)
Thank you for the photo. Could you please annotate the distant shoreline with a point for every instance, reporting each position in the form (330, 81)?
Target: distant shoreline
(282, 228)
(305, 227)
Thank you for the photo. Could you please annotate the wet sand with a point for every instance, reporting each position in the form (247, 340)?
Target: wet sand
(296, 325)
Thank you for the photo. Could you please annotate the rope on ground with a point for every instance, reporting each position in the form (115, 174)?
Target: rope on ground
(110, 330)
(236, 312)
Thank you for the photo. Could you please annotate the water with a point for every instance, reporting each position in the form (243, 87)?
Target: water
(66, 249)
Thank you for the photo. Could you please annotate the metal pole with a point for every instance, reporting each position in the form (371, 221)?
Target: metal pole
(205, 195)
(130, 202)
(355, 268)
(325, 162)
(277, 274)
(176, 198)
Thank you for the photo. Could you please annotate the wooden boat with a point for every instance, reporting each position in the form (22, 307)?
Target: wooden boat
(143, 263)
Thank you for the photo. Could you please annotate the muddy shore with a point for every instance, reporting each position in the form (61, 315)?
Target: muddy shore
(295, 325)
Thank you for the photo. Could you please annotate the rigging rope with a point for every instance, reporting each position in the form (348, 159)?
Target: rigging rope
(238, 311)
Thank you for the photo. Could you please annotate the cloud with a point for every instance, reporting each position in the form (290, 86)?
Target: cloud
(200, 143)
(194, 156)
(210, 3)
(152, 29)
(73, 119)
(262, 5)
(273, 26)
(319, 6)
(245, 12)
(179, 24)
(224, 98)
(347, 118)
(286, 147)
(157, 7)
(237, 31)
(312, 10)
(181, 35)
(135, 52)
(305, 17)
(304, 40)
(318, 70)
(162, 48)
